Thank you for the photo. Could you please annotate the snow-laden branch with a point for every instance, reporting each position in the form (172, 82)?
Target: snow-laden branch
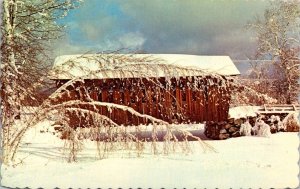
(96, 104)
(294, 66)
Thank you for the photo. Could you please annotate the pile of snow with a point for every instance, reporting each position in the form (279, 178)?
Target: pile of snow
(243, 162)
(243, 111)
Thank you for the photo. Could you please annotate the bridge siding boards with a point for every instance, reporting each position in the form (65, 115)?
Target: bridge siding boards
(184, 101)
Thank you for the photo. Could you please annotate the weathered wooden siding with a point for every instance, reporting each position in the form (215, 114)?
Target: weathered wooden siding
(185, 100)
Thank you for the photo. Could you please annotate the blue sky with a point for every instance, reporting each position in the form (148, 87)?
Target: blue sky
(206, 27)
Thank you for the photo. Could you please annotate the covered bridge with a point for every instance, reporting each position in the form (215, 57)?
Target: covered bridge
(172, 87)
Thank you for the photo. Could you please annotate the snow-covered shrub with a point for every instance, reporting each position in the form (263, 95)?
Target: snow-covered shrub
(264, 129)
(281, 126)
(256, 126)
(245, 129)
(276, 124)
(261, 128)
(291, 122)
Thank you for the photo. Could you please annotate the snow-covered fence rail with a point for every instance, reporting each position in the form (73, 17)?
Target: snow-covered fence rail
(278, 108)
(246, 110)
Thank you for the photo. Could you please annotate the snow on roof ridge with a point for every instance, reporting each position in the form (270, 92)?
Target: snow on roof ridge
(220, 64)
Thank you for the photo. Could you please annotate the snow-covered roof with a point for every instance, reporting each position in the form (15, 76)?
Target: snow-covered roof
(102, 66)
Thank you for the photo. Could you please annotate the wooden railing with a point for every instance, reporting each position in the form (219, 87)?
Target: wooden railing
(278, 108)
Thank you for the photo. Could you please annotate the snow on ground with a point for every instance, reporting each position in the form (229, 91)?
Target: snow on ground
(244, 162)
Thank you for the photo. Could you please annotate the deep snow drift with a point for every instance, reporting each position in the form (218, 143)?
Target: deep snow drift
(244, 162)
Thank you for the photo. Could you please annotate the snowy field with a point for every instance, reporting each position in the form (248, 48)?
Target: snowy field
(244, 162)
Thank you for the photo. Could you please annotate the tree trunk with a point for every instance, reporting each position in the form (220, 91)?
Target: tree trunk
(9, 75)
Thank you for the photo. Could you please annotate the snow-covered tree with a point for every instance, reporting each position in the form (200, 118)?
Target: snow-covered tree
(27, 30)
(278, 34)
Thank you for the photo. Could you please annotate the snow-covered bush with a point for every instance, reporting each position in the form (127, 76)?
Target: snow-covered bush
(276, 123)
(262, 129)
(291, 122)
(256, 126)
(245, 129)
